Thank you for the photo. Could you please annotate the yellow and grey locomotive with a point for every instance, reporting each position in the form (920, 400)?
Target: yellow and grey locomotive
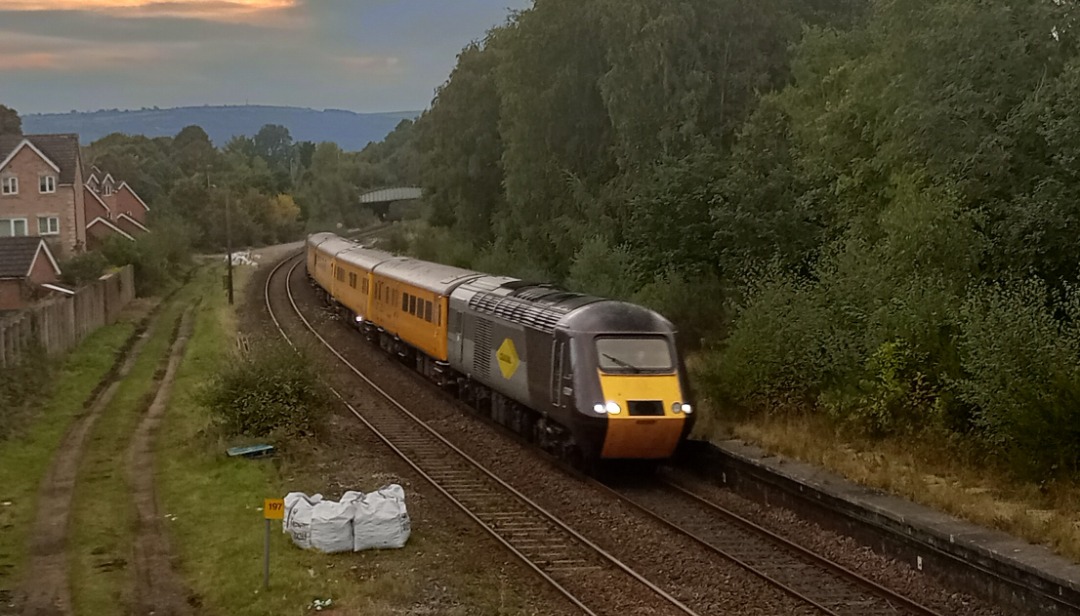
(584, 377)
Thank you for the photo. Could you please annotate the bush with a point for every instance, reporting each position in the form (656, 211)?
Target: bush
(782, 349)
(1020, 346)
(271, 391)
(21, 385)
(159, 258)
(83, 268)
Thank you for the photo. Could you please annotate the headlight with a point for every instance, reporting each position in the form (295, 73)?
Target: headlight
(359, 319)
(686, 408)
(599, 408)
(682, 407)
(613, 408)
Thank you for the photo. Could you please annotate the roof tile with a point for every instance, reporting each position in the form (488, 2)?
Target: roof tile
(17, 255)
(62, 149)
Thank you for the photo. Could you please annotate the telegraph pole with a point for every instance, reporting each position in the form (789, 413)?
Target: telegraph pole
(228, 244)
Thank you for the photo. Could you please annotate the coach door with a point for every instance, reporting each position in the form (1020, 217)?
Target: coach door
(562, 372)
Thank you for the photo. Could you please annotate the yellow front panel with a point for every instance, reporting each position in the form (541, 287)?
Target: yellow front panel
(642, 437)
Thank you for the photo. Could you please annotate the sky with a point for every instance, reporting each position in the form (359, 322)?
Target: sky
(361, 55)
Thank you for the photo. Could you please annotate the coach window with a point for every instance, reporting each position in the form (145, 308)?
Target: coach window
(427, 311)
(352, 280)
(404, 302)
(412, 304)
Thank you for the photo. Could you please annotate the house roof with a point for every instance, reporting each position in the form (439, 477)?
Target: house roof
(62, 150)
(17, 256)
(101, 221)
(131, 220)
(126, 186)
(93, 194)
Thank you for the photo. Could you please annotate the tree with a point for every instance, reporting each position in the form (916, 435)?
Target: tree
(193, 150)
(10, 122)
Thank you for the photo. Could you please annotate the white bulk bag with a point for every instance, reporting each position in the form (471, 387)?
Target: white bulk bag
(381, 520)
(331, 526)
(299, 508)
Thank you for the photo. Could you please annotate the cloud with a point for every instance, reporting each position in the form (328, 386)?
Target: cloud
(370, 64)
(210, 10)
(20, 53)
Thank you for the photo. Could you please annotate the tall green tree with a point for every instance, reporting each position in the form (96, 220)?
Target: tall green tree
(10, 122)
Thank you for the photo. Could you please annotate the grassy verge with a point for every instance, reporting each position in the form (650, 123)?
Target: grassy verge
(927, 470)
(103, 514)
(217, 528)
(25, 460)
(215, 502)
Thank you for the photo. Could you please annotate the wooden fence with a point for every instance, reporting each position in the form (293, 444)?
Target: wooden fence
(59, 324)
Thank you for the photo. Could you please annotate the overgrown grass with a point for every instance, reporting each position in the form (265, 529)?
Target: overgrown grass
(25, 460)
(932, 470)
(103, 516)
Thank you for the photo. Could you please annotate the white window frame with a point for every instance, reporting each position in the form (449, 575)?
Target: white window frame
(10, 222)
(50, 184)
(9, 185)
(52, 225)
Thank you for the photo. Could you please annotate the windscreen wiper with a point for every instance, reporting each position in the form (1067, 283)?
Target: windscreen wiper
(622, 363)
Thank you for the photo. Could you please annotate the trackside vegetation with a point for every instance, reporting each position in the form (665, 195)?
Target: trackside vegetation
(862, 212)
(213, 503)
(270, 390)
(32, 437)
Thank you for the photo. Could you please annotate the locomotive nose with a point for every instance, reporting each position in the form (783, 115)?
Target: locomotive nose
(649, 420)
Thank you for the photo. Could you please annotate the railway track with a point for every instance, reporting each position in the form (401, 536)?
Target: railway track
(562, 557)
(805, 575)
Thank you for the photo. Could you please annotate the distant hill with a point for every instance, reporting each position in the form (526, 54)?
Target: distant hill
(351, 131)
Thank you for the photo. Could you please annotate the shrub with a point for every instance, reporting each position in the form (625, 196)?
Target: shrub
(270, 391)
(83, 268)
(20, 385)
(601, 269)
(783, 348)
(159, 258)
(893, 396)
(1020, 348)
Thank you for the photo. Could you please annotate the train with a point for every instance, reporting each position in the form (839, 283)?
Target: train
(585, 378)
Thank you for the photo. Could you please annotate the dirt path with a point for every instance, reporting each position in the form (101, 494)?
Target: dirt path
(159, 589)
(46, 588)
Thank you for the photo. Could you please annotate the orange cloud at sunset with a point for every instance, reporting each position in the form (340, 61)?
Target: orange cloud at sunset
(198, 9)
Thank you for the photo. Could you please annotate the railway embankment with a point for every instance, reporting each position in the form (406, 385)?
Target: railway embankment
(987, 563)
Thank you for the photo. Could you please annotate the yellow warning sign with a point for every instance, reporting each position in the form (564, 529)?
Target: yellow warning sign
(274, 508)
(508, 358)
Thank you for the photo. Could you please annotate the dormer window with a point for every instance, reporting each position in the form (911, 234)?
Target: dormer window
(47, 184)
(9, 185)
(108, 189)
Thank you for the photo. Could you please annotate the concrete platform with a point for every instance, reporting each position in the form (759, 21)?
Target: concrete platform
(987, 563)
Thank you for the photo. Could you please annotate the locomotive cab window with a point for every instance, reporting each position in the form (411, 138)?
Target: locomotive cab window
(634, 355)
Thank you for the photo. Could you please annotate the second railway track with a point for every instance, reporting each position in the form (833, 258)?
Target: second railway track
(803, 574)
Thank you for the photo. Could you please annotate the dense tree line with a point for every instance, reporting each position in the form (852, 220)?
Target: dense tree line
(858, 208)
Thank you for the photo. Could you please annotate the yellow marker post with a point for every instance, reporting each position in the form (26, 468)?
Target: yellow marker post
(273, 509)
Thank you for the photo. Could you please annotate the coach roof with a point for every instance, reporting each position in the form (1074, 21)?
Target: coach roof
(441, 279)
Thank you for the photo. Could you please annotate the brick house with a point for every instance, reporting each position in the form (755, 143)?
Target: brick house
(116, 207)
(28, 270)
(42, 191)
